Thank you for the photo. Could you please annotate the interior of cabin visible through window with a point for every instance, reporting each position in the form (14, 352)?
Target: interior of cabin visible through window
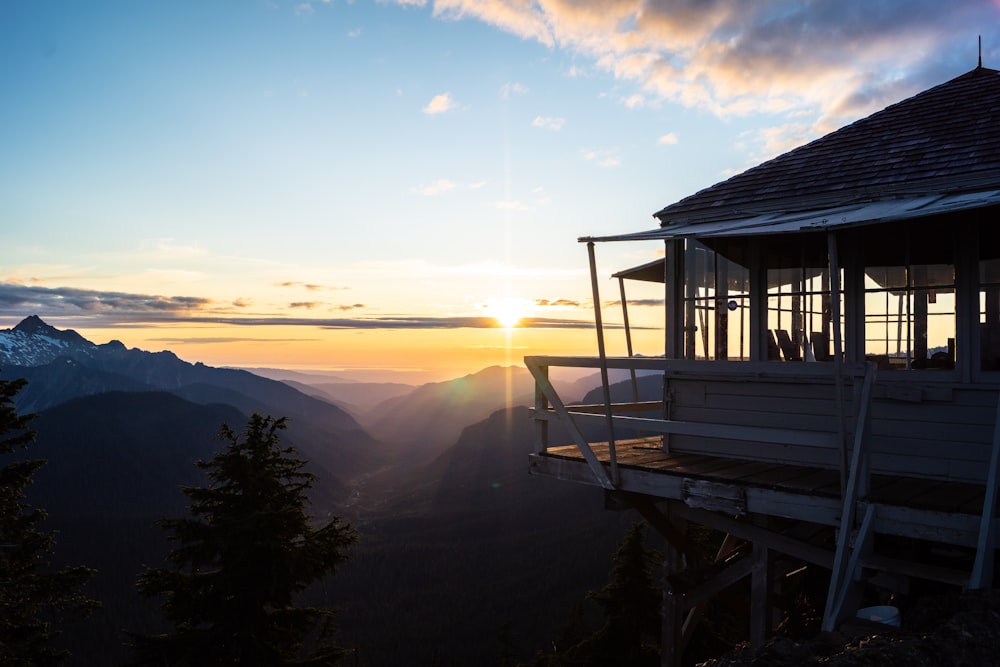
(907, 316)
(716, 305)
(989, 298)
(909, 306)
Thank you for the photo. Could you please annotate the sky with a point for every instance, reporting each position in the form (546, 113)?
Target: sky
(345, 186)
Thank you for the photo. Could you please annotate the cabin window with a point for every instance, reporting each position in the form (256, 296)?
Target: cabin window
(716, 305)
(799, 314)
(909, 299)
(989, 300)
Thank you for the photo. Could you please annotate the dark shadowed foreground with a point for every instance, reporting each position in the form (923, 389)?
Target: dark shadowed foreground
(940, 630)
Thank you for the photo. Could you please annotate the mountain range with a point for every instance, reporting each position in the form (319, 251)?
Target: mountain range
(434, 477)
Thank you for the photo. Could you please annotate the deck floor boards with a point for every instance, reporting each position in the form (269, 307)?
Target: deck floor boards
(647, 454)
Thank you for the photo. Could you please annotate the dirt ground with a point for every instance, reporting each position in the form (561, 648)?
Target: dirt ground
(957, 629)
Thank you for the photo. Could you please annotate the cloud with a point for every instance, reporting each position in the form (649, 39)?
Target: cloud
(635, 101)
(548, 123)
(308, 305)
(837, 60)
(72, 307)
(509, 205)
(645, 302)
(442, 103)
(304, 9)
(558, 303)
(602, 158)
(512, 88)
(354, 33)
(668, 139)
(312, 287)
(93, 302)
(434, 188)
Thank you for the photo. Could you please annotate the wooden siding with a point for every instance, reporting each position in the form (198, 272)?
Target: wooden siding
(809, 407)
(948, 436)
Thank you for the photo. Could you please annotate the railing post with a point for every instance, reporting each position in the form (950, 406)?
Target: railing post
(605, 382)
(541, 406)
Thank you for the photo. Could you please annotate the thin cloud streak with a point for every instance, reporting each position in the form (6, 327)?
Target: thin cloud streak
(93, 308)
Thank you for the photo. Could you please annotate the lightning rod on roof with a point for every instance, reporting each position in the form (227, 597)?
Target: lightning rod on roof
(980, 52)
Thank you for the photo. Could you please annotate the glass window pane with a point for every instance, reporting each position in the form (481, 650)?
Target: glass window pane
(909, 306)
(716, 305)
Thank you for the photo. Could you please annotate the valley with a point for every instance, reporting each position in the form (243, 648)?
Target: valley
(456, 536)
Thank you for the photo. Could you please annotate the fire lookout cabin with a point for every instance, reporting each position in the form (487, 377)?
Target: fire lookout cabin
(827, 394)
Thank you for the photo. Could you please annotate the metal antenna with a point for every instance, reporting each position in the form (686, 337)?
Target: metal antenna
(980, 52)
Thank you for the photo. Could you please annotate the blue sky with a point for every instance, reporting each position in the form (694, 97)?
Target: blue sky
(261, 183)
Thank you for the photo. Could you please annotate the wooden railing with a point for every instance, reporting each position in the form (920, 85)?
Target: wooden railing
(631, 416)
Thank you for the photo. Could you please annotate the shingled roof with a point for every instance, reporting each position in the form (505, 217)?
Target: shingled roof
(943, 141)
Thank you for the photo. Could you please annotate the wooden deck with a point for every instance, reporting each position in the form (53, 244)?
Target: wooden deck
(921, 508)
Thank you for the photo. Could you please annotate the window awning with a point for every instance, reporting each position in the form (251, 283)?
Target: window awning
(816, 220)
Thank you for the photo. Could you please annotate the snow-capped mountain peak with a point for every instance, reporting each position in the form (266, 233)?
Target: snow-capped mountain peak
(34, 343)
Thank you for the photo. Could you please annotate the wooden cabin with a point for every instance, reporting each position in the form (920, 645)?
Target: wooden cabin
(828, 389)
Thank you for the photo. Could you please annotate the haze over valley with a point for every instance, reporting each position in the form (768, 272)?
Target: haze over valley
(434, 477)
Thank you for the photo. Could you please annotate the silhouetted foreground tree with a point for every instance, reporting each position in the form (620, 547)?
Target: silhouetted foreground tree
(32, 596)
(249, 548)
(630, 602)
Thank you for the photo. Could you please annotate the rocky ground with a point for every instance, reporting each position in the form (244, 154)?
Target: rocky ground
(959, 629)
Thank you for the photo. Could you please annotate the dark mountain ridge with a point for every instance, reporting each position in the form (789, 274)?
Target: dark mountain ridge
(62, 365)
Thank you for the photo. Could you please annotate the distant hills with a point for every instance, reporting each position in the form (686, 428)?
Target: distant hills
(434, 476)
(62, 365)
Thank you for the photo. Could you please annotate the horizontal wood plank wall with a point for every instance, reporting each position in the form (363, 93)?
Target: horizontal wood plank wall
(936, 437)
(798, 405)
(936, 433)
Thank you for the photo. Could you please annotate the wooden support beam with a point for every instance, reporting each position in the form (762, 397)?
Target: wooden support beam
(855, 483)
(750, 532)
(660, 522)
(843, 595)
(761, 589)
(982, 569)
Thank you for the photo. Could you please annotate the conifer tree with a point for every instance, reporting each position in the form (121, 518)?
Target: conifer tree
(33, 597)
(241, 558)
(630, 602)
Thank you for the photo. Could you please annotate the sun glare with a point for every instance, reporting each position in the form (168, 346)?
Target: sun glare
(508, 312)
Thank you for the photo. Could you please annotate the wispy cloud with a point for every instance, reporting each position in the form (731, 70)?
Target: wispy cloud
(434, 188)
(312, 287)
(34, 299)
(512, 88)
(839, 60)
(602, 158)
(668, 139)
(509, 205)
(558, 303)
(439, 104)
(635, 101)
(548, 123)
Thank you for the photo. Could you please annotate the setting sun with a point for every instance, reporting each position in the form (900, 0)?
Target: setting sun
(507, 311)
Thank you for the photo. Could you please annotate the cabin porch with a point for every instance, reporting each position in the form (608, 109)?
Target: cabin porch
(824, 464)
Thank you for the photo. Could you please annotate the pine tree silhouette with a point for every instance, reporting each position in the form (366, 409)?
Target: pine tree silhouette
(33, 597)
(247, 550)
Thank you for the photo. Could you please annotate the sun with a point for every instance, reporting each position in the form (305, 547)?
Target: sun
(507, 311)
